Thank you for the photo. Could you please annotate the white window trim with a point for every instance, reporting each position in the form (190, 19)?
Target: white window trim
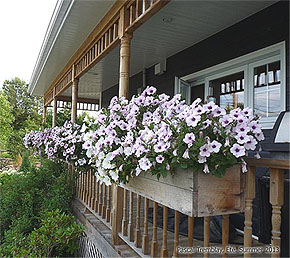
(246, 63)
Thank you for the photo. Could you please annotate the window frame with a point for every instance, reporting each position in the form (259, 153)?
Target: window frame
(246, 64)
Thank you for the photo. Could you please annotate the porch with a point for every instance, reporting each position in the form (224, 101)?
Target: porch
(141, 34)
(142, 223)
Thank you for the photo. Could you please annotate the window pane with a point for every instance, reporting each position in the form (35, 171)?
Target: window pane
(197, 91)
(229, 90)
(267, 90)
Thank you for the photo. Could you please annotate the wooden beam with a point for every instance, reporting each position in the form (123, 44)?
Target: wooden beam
(272, 163)
(44, 115)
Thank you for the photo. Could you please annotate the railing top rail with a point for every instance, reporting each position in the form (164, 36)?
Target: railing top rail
(271, 163)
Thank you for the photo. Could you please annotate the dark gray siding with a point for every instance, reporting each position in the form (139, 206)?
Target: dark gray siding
(263, 29)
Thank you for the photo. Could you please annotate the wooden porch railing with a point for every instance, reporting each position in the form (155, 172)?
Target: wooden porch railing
(146, 238)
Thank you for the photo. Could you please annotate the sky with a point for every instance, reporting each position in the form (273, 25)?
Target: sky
(23, 25)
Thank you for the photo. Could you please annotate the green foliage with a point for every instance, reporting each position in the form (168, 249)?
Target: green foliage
(25, 165)
(26, 111)
(6, 119)
(25, 197)
(63, 115)
(57, 235)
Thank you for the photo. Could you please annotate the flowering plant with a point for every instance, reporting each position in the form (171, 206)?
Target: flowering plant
(61, 143)
(154, 133)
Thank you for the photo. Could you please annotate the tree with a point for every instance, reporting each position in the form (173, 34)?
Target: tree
(26, 110)
(6, 119)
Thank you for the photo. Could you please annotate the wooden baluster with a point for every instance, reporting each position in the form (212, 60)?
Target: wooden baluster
(100, 199)
(249, 196)
(145, 240)
(164, 250)
(225, 233)
(190, 232)
(110, 35)
(90, 188)
(124, 218)
(176, 233)
(130, 224)
(206, 233)
(96, 50)
(138, 8)
(93, 183)
(132, 13)
(84, 187)
(106, 40)
(108, 211)
(145, 5)
(97, 197)
(276, 200)
(99, 47)
(115, 31)
(137, 240)
(154, 243)
(104, 202)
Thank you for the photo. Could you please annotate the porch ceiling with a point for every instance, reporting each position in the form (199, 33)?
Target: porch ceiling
(192, 21)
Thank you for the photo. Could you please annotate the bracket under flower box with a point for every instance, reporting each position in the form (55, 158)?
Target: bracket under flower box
(194, 193)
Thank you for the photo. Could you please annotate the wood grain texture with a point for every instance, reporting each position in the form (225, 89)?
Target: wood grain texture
(188, 192)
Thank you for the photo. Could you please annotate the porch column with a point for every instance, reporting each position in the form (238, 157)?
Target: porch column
(118, 192)
(74, 100)
(124, 65)
(54, 112)
(44, 115)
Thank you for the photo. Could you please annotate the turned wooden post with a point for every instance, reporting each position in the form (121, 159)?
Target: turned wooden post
(137, 240)
(108, 211)
(124, 65)
(130, 224)
(206, 234)
(54, 112)
(118, 193)
(154, 242)
(124, 220)
(74, 100)
(225, 233)
(176, 233)
(190, 232)
(250, 191)
(164, 249)
(276, 200)
(44, 115)
(145, 239)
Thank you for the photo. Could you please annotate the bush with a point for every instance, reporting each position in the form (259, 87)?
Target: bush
(25, 165)
(57, 235)
(27, 198)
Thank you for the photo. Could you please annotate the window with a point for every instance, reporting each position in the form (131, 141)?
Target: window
(256, 80)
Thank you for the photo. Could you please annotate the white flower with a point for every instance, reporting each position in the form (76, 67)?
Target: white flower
(145, 164)
(201, 159)
(138, 171)
(114, 175)
(215, 146)
(186, 154)
(192, 120)
(83, 129)
(242, 138)
(238, 150)
(206, 169)
(159, 159)
(127, 151)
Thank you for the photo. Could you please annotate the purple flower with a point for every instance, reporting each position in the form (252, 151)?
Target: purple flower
(159, 159)
(189, 139)
(251, 143)
(186, 154)
(242, 137)
(192, 120)
(204, 150)
(237, 150)
(215, 146)
(145, 164)
(260, 136)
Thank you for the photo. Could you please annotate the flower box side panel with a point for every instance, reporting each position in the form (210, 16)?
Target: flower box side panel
(175, 192)
(219, 196)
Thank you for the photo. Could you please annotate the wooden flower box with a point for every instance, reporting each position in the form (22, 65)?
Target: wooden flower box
(194, 193)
